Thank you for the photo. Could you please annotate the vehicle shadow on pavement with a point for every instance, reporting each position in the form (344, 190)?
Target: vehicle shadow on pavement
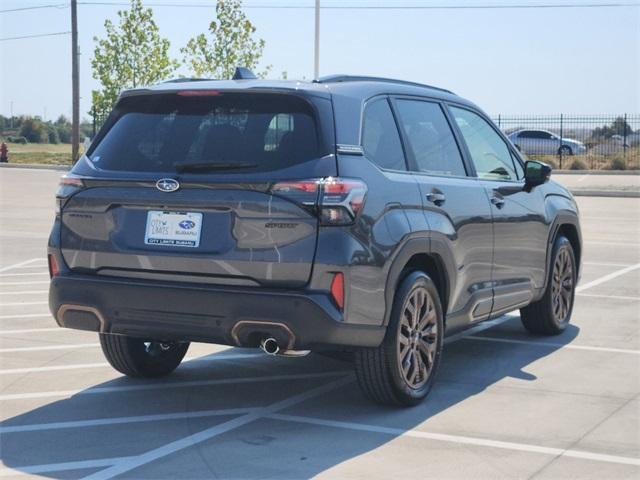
(142, 415)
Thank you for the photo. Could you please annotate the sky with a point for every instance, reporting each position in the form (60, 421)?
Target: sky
(513, 61)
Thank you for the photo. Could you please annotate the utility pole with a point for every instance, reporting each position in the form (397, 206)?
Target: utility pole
(75, 83)
(11, 114)
(316, 50)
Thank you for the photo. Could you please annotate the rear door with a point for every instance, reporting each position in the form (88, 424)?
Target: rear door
(202, 186)
(455, 204)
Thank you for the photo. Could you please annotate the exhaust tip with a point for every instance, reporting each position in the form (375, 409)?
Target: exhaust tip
(269, 346)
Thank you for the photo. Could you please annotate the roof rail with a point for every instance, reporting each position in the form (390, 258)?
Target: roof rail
(184, 80)
(363, 78)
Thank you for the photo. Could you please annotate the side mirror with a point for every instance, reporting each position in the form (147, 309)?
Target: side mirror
(536, 173)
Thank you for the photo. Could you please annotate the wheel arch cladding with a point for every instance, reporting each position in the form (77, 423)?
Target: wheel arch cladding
(570, 231)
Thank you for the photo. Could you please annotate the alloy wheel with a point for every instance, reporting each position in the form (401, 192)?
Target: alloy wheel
(418, 338)
(562, 285)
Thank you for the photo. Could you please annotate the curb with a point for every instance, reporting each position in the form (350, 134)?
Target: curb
(606, 193)
(31, 166)
(595, 172)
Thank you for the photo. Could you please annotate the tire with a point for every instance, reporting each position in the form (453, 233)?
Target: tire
(378, 370)
(565, 151)
(139, 358)
(551, 314)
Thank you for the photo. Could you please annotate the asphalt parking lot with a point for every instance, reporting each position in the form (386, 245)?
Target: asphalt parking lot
(506, 404)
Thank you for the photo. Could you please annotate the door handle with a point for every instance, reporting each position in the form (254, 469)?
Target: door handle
(436, 197)
(497, 201)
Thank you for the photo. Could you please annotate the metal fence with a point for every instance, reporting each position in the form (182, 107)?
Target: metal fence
(577, 141)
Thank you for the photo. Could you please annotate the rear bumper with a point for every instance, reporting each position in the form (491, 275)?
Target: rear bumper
(188, 312)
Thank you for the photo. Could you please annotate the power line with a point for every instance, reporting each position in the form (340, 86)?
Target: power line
(39, 7)
(34, 36)
(388, 7)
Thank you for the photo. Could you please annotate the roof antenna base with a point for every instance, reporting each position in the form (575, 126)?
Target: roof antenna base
(243, 73)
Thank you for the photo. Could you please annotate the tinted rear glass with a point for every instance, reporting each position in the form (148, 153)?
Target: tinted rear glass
(154, 133)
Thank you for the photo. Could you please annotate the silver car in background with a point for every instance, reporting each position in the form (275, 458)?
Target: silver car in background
(544, 142)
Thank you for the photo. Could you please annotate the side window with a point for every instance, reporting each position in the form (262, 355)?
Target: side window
(380, 137)
(489, 153)
(430, 138)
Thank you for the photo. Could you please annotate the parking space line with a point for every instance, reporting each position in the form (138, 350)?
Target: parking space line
(49, 347)
(215, 431)
(167, 385)
(61, 467)
(480, 442)
(25, 315)
(25, 292)
(32, 330)
(614, 297)
(18, 265)
(615, 244)
(22, 274)
(98, 422)
(18, 304)
(82, 366)
(607, 264)
(38, 282)
(608, 277)
(554, 345)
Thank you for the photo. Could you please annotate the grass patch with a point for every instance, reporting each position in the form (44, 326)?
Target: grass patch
(40, 153)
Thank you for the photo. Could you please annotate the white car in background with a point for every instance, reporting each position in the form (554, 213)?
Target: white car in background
(544, 142)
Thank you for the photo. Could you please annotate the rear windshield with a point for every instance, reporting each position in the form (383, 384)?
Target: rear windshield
(166, 132)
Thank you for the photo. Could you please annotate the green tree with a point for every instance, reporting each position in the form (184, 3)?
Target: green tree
(131, 55)
(230, 43)
(34, 130)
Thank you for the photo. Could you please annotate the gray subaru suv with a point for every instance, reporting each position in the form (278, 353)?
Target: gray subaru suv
(356, 214)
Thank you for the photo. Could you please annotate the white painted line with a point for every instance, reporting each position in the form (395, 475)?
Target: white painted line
(18, 265)
(11, 284)
(480, 442)
(25, 292)
(166, 385)
(613, 297)
(32, 330)
(43, 267)
(555, 345)
(98, 422)
(50, 347)
(61, 467)
(607, 264)
(22, 274)
(18, 304)
(124, 466)
(615, 244)
(26, 315)
(606, 278)
(82, 366)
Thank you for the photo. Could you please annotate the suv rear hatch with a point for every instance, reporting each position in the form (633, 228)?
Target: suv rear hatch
(201, 186)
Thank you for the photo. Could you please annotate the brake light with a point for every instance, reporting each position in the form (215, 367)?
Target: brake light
(69, 180)
(54, 271)
(337, 290)
(341, 200)
(198, 93)
(338, 200)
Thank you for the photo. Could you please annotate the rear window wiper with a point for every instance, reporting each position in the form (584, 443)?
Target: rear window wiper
(205, 166)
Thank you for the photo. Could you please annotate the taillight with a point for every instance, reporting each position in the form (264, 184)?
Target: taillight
(54, 271)
(338, 200)
(68, 185)
(337, 290)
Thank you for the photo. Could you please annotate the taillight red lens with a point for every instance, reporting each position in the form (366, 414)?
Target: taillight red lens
(337, 290)
(306, 186)
(68, 180)
(341, 200)
(54, 271)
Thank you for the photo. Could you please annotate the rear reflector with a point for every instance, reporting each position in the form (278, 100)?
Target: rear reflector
(54, 271)
(337, 290)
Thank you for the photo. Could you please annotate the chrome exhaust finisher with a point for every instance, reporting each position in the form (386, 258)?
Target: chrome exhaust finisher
(269, 346)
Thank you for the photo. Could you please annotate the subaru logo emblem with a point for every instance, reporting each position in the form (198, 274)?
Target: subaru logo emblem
(167, 185)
